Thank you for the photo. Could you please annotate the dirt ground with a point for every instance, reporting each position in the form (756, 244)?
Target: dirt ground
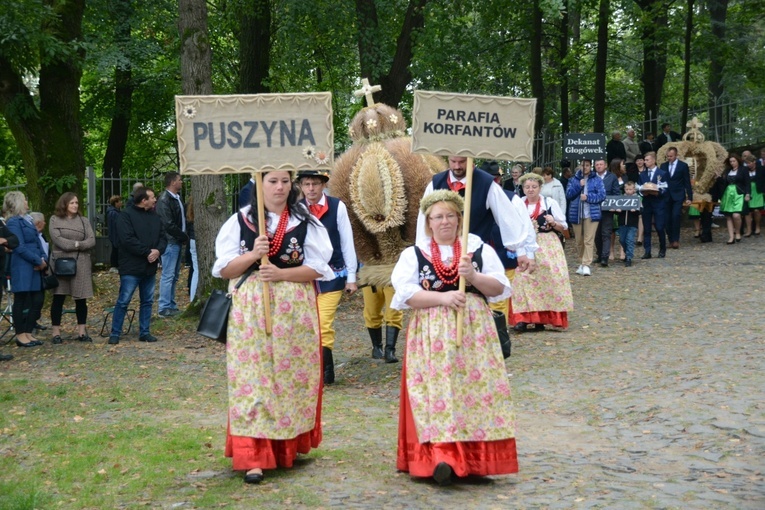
(651, 399)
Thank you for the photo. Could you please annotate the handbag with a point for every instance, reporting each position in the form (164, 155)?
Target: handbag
(65, 266)
(504, 335)
(213, 321)
(49, 281)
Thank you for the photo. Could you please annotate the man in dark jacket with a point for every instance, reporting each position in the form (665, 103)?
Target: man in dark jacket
(8, 241)
(615, 148)
(142, 241)
(170, 210)
(606, 225)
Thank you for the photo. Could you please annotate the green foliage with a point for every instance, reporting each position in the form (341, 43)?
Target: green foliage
(59, 183)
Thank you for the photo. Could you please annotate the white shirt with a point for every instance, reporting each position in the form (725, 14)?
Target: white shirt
(405, 276)
(555, 210)
(317, 247)
(517, 232)
(346, 238)
(554, 189)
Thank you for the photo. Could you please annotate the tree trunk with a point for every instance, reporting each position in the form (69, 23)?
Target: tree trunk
(49, 137)
(718, 12)
(687, 67)
(654, 60)
(372, 62)
(563, 54)
(535, 67)
(601, 63)
(254, 46)
(208, 191)
(575, 26)
(122, 12)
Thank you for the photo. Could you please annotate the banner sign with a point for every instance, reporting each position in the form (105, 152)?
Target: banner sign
(621, 202)
(578, 146)
(474, 126)
(254, 133)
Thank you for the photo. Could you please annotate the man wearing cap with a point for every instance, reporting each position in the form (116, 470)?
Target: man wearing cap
(333, 214)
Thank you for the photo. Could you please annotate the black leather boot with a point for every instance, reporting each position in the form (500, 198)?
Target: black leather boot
(376, 335)
(329, 365)
(391, 335)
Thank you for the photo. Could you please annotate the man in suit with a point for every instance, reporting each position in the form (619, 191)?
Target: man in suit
(654, 205)
(606, 224)
(679, 193)
(667, 136)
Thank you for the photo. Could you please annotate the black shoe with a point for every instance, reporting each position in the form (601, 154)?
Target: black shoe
(539, 327)
(646, 256)
(114, 340)
(253, 478)
(329, 365)
(662, 253)
(57, 340)
(84, 338)
(6, 357)
(442, 474)
(147, 338)
(377, 349)
(32, 343)
(391, 336)
(40, 327)
(520, 327)
(627, 262)
(604, 263)
(639, 243)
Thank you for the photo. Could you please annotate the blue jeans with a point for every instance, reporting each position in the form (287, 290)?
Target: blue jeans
(627, 236)
(171, 269)
(128, 284)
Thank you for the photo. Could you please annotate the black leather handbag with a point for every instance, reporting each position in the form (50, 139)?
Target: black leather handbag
(504, 335)
(49, 281)
(214, 319)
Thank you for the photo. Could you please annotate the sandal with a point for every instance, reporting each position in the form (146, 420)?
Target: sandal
(57, 340)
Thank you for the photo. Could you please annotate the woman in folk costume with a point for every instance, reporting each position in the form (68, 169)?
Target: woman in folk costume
(737, 185)
(274, 381)
(456, 412)
(544, 296)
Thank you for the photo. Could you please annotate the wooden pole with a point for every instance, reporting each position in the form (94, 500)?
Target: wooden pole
(262, 231)
(465, 232)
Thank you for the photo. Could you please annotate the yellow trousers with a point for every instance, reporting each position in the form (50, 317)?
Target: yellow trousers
(504, 305)
(585, 238)
(374, 302)
(327, 303)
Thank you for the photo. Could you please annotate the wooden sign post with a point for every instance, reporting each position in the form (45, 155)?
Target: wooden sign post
(255, 134)
(472, 126)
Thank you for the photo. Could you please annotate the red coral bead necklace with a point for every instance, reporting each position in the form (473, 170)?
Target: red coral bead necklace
(450, 274)
(275, 243)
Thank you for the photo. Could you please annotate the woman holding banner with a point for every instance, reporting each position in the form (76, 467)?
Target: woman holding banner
(274, 380)
(544, 296)
(455, 414)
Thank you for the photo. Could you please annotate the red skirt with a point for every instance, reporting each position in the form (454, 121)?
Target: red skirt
(250, 452)
(557, 319)
(480, 458)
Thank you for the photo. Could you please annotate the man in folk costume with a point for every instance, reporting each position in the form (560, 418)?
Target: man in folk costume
(381, 181)
(334, 216)
(489, 205)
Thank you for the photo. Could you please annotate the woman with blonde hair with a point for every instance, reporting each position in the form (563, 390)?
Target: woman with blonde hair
(456, 413)
(71, 237)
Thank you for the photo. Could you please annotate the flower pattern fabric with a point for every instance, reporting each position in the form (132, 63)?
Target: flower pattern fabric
(548, 287)
(273, 380)
(457, 393)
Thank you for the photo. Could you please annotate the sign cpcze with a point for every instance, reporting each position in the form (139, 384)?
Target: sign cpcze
(621, 203)
(248, 133)
(579, 146)
(473, 126)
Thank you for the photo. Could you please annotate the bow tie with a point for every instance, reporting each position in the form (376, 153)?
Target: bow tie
(318, 210)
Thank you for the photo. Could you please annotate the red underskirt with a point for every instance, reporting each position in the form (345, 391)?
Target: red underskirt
(250, 452)
(558, 319)
(479, 458)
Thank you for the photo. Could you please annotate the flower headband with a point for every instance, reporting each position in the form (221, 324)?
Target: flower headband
(441, 195)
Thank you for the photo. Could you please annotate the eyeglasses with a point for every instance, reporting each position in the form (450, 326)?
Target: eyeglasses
(440, 218)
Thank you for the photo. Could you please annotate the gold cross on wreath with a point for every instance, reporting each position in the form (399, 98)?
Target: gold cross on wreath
(367, 90)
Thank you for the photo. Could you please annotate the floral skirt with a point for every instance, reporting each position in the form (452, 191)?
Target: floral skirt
(274, 381)
(545, 290)
(455, 402)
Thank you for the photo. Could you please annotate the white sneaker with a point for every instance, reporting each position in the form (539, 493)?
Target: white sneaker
(586, 271)
(579, 269)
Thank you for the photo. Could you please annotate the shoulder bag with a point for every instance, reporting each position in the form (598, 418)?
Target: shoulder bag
(67, 266)
(214, 319)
